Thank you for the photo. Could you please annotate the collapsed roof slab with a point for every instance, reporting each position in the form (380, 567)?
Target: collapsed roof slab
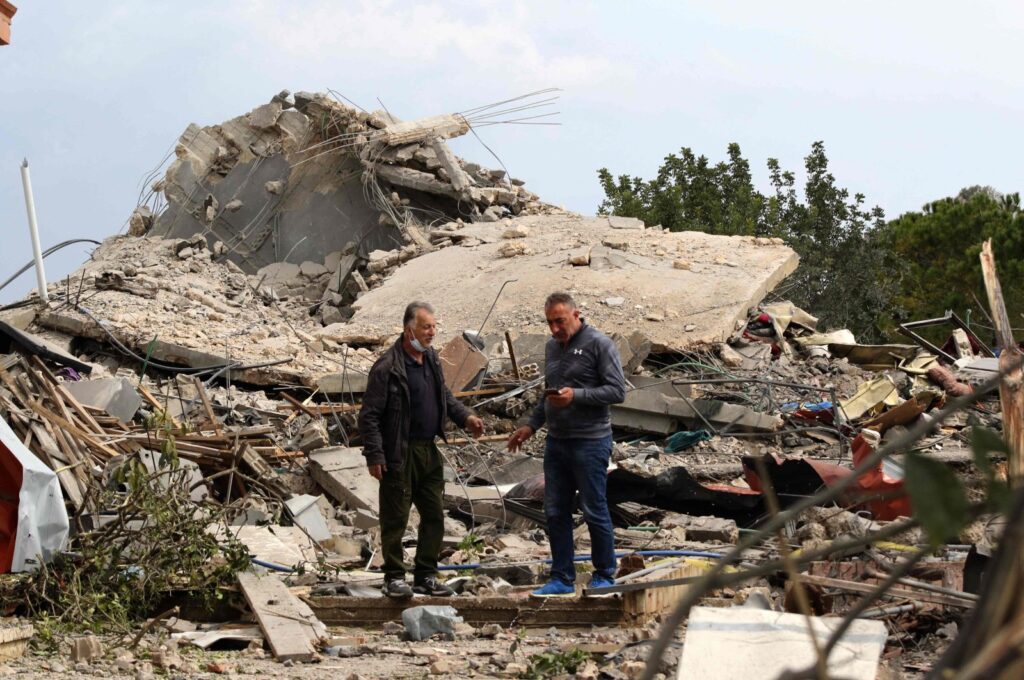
(680, 289)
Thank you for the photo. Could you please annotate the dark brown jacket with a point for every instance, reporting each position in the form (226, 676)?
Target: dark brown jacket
(385, 415)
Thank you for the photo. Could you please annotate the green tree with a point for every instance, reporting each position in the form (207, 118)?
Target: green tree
(938, 248)
(844, 277)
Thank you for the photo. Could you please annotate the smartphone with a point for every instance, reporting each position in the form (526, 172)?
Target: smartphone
(551, 391)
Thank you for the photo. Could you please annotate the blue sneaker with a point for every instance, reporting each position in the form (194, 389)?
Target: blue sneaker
(598, 581)
(555, 588)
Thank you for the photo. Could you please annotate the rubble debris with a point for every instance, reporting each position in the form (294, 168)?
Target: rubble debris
(216, 357)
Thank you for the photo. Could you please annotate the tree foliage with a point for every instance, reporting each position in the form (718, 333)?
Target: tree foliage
(938, 250)
(843, 277)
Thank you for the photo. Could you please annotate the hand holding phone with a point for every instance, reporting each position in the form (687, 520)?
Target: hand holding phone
(551, 391)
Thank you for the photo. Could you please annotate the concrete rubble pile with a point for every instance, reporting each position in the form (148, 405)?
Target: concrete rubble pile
(225, 344)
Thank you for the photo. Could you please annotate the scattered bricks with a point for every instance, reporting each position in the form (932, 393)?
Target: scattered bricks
(707, 529)
(440, 667)
(86, 649)
(218, 667)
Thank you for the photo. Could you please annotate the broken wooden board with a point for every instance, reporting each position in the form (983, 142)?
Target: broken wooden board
(14, 639)
(342, 473)
(288, 624)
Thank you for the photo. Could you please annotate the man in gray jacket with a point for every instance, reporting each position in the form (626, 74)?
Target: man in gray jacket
(583, 377)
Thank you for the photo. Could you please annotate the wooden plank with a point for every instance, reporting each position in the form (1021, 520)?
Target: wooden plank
(152, 401)
(289, 625)
(510, 610)
(73, 488)
(1011, 389)
(342, 473)
(206, 404)
(914, 595)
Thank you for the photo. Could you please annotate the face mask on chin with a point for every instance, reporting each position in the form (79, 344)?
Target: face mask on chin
(417, 345)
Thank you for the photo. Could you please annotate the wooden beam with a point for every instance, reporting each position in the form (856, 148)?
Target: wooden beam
(1011, 389)
(288, 624)
(206, 404)
(901, 593)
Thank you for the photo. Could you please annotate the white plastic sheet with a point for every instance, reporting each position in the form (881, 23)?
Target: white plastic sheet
(42, 518)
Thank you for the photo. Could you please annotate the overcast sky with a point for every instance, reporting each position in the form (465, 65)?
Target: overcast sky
(913, 100)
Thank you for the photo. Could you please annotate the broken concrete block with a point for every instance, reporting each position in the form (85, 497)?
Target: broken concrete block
(342, 473)
(265, 117)
(579, 257)
(140, 221)
(729, 356)
(278, 274)
(423, 622)
(234, 205)
(186, 252)
(14, 639)
(518, 231)
(711, 529)
(682, 264)
(312, 270)
(86, 649)
(275, 187)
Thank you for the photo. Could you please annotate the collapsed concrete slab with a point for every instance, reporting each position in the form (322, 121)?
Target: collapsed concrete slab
(306, 175)
(637, 288)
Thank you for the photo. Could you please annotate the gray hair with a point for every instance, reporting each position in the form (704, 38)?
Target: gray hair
(412, 309)
(559, 299)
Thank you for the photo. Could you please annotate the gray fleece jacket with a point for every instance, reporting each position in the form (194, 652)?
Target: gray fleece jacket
(590, 365)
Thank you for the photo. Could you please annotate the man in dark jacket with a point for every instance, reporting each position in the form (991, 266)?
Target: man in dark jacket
(583, 376)
(405, 406)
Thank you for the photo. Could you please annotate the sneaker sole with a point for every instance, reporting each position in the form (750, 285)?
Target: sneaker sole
(563, 595)
(394, 596)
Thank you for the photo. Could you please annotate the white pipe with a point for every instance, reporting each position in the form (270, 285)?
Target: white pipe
(37, 251)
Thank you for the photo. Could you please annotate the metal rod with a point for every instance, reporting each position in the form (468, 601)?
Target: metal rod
(37, 251)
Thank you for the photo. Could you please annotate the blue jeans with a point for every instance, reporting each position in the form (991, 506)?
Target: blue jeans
(572, 465)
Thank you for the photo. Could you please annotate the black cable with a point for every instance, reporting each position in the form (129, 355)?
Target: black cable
(48, 251)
